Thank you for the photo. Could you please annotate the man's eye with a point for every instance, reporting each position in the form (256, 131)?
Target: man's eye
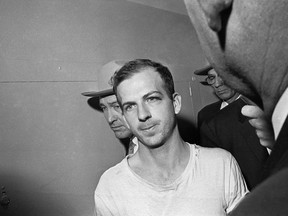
(152, 99)
(103, 108)
(211, 77)
(129, 107)
(116, 107)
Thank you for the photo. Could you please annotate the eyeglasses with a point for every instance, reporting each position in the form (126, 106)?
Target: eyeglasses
(211, 79)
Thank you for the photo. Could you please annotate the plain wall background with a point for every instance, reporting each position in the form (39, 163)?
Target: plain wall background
(54, 147)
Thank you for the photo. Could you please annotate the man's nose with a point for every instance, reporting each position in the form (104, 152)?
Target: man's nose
(111, 116)
(218, 81)
(143, 112)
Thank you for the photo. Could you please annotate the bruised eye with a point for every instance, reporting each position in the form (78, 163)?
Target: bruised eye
(153, 99)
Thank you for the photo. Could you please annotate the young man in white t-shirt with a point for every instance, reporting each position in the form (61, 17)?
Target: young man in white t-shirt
(166, 176)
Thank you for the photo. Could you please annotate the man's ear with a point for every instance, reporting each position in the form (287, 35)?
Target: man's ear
(177, 102)
(213, 10)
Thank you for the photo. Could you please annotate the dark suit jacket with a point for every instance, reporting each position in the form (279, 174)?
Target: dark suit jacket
(205, 114)
(271, 196)
(208, 112)
(230, 130)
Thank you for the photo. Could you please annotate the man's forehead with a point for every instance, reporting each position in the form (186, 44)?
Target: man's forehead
(108, 99)
(140, 83)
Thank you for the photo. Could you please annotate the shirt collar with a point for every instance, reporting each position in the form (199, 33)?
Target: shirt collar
(280, 113)
(224, 103)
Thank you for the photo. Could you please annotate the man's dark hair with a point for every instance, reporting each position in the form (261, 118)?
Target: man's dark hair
(136, 66)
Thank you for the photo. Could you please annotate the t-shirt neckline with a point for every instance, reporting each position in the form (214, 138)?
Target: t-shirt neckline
(171, 186)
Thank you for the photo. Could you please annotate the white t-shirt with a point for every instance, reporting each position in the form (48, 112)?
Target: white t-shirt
(211, 184)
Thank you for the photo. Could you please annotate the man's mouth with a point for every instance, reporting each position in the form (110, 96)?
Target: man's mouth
(148, 128)
(221, 91)
(116, 128)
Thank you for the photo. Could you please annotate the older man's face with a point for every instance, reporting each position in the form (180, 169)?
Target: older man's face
(113, 115)
(221, 90)
(248, 43)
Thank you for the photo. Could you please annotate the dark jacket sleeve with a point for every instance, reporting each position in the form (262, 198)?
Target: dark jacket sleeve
(269, 198)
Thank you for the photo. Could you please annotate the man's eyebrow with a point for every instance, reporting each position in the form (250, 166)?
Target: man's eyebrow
(113, 103)
(151, 93)
(144, 97)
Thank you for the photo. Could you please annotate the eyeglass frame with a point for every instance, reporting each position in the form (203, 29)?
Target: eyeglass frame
(211, 82)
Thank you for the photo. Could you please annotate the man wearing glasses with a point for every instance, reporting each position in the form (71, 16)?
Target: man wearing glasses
(226, 94)
(227, 128)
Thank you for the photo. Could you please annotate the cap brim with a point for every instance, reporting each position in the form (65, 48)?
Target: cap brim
(204, 83)
(99, 93)
(203, 71)
(94, 102)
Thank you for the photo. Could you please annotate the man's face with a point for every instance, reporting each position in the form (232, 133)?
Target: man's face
(221, 90)
(147, 108)
(250, 44)
(113, 115)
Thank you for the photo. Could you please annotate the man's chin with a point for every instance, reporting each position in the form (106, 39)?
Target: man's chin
(122, 135)
(223, 95)
(152, 142)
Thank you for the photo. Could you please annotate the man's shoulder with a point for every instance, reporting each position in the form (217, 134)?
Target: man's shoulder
(235, 105)
(274, 190)
(231, 112)
(114, 173)
(207, 112)
(213, 154)
(216, 152)
(214, 160)
(213, 106)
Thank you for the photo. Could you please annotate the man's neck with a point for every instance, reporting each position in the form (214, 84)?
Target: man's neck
(233, 98)
(161, 165)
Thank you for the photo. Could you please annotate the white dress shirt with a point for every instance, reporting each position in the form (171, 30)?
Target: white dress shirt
(280, 113)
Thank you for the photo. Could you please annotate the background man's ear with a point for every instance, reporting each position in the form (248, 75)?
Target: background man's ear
(213, 10)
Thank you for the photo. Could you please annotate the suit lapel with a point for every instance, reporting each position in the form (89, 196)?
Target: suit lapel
(279, 156)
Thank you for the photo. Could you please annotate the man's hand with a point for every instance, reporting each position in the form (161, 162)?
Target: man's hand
(261, 124)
